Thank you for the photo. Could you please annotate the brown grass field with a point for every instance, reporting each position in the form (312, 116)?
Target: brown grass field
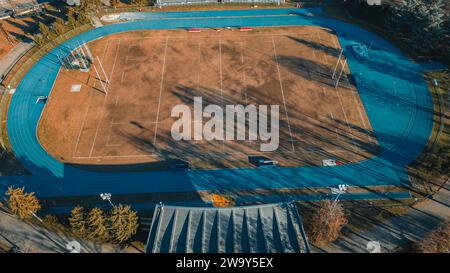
(152, 71)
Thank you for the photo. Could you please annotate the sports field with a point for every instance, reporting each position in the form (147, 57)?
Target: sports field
(152, 71)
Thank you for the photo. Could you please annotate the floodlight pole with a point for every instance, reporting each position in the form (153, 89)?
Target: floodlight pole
(107, 197)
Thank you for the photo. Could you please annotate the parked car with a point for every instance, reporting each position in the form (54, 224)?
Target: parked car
(262, 161)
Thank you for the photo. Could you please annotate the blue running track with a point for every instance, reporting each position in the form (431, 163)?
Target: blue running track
(391, 86)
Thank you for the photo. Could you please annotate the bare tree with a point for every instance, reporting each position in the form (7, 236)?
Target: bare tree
(327, 222)
(438, 241)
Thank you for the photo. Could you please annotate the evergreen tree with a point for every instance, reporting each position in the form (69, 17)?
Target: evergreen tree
(422, 20)
(45, 31)
(124, 223)
(71, 19)
(77, 221)
(21, 203)
(59, 27)
(98, 225)
(39, 40)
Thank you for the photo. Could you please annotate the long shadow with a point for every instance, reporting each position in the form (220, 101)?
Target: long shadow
(326, 49)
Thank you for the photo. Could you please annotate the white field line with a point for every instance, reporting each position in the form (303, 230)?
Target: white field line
(110, 132)
(325, 55)
(221, 82)
(89, 106)
(160, 91)
(358, 105)
(82, 123)
(199, 64)
(220, 71)
(104, 100)
(217, 155)
(343, 111)
(282, 93)
(331, 112)
(121, 78)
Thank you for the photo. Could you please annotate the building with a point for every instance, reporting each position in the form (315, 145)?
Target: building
(273, 228)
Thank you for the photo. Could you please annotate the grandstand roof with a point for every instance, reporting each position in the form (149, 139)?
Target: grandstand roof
(255, 229)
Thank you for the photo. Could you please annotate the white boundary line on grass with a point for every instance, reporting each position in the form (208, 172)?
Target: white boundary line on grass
(282, 93)
(89, 105)
(105, 99)
(160, 91)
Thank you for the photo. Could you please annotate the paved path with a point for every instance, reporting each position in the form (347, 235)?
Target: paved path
(8, 61)
(400, 230)
(96, 21)
(35, 239)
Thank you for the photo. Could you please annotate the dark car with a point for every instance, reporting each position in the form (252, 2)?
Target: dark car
(262, 161)
(178, 164)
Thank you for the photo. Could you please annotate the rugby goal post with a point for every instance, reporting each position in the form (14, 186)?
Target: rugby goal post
(101, 77)
(340, 66)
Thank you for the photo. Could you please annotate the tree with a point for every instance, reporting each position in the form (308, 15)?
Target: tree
(438, 241)
(77, 221)
(87, 6)
(98, 225)
(59, 27)
(124, 223)
(21, 203)
(114, 3)
(139, 3)
(45, 31)
(327, 222)
(39, 40)
(423, 21)
(71, 19)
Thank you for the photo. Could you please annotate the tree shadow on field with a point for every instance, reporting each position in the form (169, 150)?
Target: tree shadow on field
(307, 69)
(326, 49)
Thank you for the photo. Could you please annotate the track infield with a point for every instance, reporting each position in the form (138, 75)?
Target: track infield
(152, 71)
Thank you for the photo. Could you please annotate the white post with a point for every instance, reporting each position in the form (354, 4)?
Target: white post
(340, 74)
(101, 81)
(103, 70)
(88, 52)
(337, 64)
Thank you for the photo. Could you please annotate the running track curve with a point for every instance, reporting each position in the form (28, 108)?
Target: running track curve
(391, 86)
